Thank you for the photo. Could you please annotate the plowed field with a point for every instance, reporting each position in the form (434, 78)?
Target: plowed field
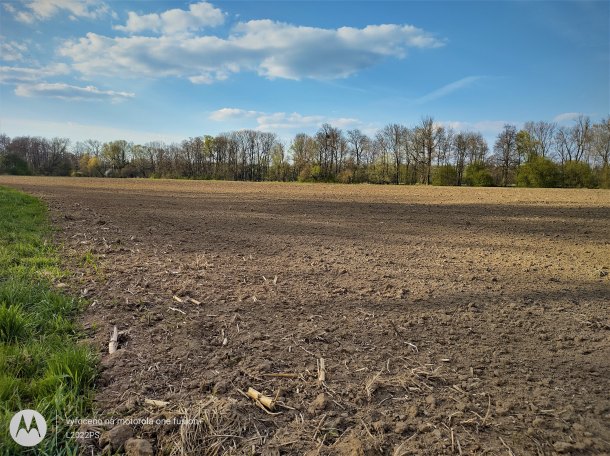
(450, 320)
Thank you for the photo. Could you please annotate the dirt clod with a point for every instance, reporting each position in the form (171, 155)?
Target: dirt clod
(318, 404)
(116, 437)
(138, 447)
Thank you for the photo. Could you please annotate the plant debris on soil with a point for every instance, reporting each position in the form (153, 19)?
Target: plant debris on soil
(368, 319)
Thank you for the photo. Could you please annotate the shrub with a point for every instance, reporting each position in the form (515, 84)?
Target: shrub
(538, 172)
(346, 176)
(444, 175)
(577, 174)
(305, 174)
(477, 175)
(603, 177)
(13, 164)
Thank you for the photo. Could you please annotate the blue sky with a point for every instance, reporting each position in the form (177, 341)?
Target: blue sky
(151, 70)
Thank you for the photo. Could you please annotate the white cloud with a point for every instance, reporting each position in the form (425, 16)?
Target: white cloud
(70, 92)
(448, 89)
(225, 114)
(198, 16)
(272, 49)
(39, 10)
(11, 51)
(13, 75)
(567, 116)
(280, 121)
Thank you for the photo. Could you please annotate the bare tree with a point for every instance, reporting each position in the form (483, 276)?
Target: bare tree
(328, 139)
(601, 142)
(543, 135)
(566, 147)
(356, 140)
(461, 149)
(505, 150)
(581, 133)
(431, 135)
(392, 139)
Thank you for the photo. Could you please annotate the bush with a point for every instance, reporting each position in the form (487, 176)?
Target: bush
(316, 172)
(603, 177)
(305, 174)
(477, 175)
(346, 176)
(63, 167)
(577, 174)
(538, 172)
(444, 175)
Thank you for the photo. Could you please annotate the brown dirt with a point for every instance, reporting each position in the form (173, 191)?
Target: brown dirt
(451, 320)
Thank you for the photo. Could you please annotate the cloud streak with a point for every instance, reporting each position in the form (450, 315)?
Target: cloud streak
(70, 92)
(448, 89)
(566, 117)
(14, 75)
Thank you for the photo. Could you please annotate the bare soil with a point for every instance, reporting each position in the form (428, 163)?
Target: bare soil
(451, 320)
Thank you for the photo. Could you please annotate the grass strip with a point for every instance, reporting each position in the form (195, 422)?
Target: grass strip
(42, 364)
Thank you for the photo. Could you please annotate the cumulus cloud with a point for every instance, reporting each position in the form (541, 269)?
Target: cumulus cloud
(39, 10)
(70, 92)
(281, 121)
(198, 16)
(271, 49)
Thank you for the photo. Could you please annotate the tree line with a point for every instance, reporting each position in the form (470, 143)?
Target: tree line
(541, 154)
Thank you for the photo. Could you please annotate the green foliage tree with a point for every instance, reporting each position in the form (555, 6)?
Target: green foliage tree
(115, 153)
(526, 146)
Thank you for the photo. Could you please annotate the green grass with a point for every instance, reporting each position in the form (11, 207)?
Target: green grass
(42, 364)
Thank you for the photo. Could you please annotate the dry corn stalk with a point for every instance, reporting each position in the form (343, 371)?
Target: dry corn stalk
(267, 401)
(321, 370)
(113, 345)
(155, 402)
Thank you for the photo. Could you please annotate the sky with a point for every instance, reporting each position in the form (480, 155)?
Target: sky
(151, 70)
